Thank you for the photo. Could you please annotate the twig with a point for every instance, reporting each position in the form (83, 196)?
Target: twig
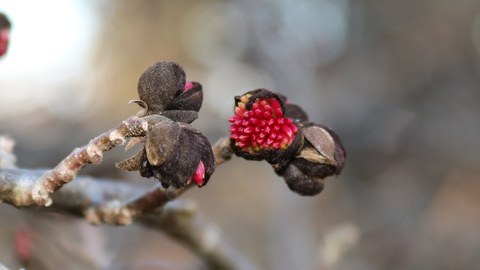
(68, 168)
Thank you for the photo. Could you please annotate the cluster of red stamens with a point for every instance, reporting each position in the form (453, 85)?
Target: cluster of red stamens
(263, 127)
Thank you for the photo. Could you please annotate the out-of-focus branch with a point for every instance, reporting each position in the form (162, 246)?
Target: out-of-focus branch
(7, 158)
(85, 194)
(183, 223)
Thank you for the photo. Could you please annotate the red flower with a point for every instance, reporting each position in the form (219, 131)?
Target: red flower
(259, 129)
(266, 126)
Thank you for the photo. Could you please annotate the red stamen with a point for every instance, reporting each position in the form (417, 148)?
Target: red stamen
(199, 174)
(188, 86)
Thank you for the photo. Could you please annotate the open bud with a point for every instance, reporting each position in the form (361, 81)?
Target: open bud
(259, 129)
(189, 151)
(266, 126)
(321, 155)
(4, 34)
(175, 153)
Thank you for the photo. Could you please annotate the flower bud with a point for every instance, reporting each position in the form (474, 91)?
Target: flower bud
(184, 164)
(160, 84)
(175, 153)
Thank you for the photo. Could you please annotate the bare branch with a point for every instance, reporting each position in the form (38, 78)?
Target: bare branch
(108, 201)
(68, 168)
(16, 187)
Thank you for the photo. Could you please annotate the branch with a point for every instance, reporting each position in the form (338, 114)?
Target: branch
(117, 213)
(92, 153)
(68, 168)
(108, 201)
(16, 186)
(28, 192)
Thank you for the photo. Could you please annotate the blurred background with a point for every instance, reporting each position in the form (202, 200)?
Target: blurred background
(399, 81)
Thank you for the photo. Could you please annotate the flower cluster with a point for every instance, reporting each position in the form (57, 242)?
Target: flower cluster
(4, 34)
(174, 152)
(266, 126)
